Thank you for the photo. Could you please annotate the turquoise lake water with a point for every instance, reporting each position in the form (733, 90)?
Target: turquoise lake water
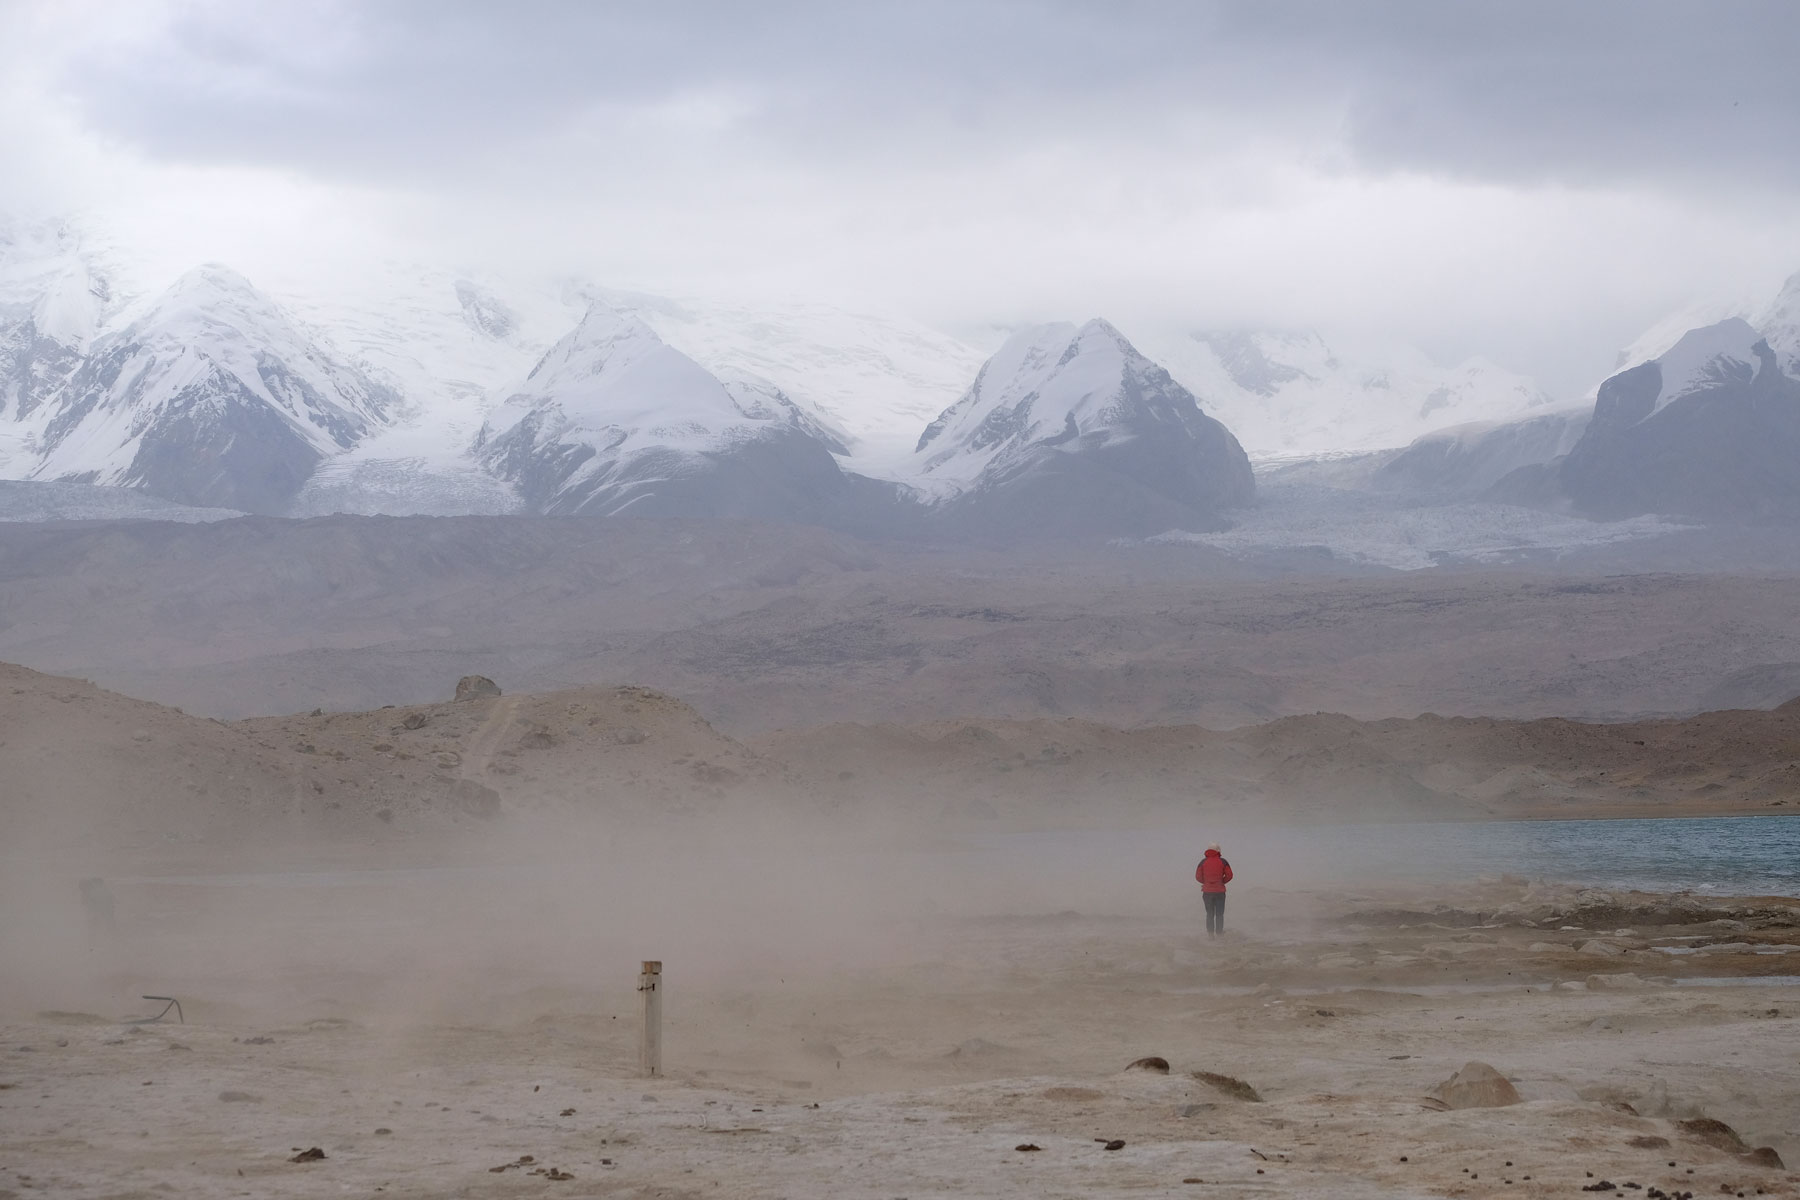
(1722, 855)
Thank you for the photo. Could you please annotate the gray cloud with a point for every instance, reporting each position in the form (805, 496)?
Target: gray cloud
(1526, 91)
(1529, 179)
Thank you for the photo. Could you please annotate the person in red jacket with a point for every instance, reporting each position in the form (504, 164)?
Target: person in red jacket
(1214, 872)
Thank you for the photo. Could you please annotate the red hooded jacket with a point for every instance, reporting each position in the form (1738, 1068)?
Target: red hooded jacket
(1213, 872)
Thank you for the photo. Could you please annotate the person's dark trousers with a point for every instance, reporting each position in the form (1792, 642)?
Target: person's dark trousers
(1215, 911)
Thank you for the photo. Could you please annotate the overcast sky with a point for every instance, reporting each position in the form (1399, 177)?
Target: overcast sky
(1535, 181)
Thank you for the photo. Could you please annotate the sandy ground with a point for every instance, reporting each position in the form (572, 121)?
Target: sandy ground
(905, 1056)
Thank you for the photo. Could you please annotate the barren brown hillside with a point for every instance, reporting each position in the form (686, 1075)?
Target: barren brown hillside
(80, 761)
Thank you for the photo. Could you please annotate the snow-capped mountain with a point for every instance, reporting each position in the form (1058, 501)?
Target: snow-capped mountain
(453, 343)
(1289, 395)
(614, 420)
(1071, 429)
(1710, 428)
(208, 395)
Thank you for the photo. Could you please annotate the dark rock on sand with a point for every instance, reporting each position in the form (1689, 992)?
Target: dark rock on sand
(1237, 1089)
(1714, 1133)
(1477, 1085)
(474, 687)
(1152, 1062)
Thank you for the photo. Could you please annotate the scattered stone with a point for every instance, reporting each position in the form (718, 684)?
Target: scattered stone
(239, 1098)
(313, 1155)
(1477, 1085)
(1600, 948)
(384, 1131)
(1115, 1144)
(1027, 1147)
(1153, 1063)
(259, 1041)
(1766, 1156)
(1650, 1142)
(417, 720)
(1237, 1089)
(567, 1112)
(474, 687)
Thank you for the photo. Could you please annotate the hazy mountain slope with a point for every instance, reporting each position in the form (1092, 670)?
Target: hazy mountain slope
(1709, 429)
(1070, 430)
(1288, 394)
(1467, 460)
(876, 380)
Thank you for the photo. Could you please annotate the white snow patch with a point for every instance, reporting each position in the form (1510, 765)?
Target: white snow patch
(1377, 531)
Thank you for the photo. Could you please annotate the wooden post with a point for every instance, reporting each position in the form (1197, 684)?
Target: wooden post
(650, 1036)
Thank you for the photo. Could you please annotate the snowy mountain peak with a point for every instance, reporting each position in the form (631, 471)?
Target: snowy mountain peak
(211, 297)
(612, 372)
(1073, 427)
(1780, 324)
(1043, 382)
(613, 417)
(207, 395)
(1707, 357)
(1777, 320)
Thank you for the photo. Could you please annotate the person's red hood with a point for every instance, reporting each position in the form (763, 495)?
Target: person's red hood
(1214, 854)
